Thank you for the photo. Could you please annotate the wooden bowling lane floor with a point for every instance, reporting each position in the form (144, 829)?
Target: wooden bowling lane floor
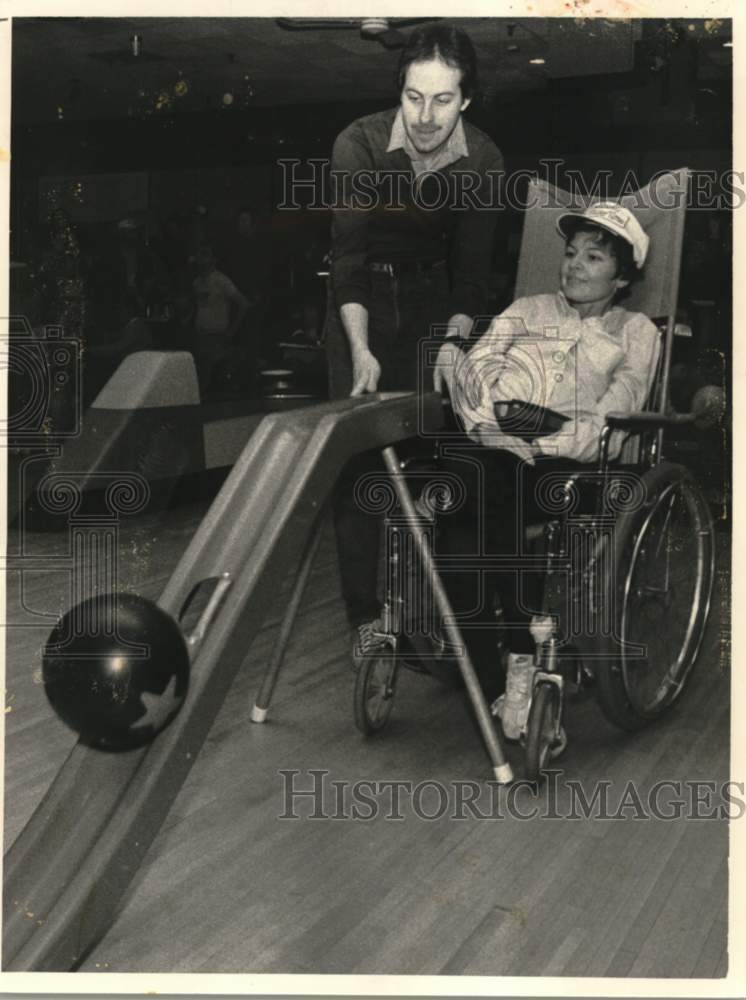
(231, 886)
(36, 742)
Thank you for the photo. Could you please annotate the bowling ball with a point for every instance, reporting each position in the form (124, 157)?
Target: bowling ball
(116, 670)
(708, 405)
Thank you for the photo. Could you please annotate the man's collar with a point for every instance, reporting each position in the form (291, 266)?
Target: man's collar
(453, 150)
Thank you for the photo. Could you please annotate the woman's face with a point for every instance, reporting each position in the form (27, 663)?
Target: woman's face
(588, 274)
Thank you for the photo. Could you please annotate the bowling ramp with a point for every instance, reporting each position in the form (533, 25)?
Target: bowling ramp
(70, 866)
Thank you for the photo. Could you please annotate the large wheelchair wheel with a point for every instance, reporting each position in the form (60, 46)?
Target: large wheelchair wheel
(660, 580)
(375, 688)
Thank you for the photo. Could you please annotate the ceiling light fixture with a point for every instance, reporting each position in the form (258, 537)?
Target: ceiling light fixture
(727, 45)
(374, 25)
(537, 62)
(136, 43)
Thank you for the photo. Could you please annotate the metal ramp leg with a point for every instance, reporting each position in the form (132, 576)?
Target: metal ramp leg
(501, 768)
(261, 705)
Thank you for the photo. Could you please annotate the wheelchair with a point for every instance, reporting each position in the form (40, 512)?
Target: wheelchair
(627, 548)
(626, 597)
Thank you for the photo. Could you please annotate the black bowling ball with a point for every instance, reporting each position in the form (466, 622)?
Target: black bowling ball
(116, 670)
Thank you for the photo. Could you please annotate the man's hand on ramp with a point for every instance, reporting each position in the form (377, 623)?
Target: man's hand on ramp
(366, 372)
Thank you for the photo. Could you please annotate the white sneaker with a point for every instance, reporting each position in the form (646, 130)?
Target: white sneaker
(512, 707)
(368, 638)
(541, 628)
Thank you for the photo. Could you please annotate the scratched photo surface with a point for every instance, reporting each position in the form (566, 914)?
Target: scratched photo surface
(306, 672)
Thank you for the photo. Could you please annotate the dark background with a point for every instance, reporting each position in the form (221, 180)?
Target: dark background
(100, 133)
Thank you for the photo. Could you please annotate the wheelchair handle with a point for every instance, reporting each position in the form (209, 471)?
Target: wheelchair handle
(647, 420)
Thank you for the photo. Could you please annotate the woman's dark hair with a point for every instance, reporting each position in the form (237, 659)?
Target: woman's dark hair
(618, 248)
(441, 41)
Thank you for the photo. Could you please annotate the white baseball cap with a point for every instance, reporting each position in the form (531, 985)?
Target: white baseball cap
(616, 219)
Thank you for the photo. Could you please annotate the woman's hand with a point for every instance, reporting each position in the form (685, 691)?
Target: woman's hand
(449, 356)
(460, 326)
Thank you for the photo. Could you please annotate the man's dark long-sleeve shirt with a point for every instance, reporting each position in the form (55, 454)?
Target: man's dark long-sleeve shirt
(379, 215)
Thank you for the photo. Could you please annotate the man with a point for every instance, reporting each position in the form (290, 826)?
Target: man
(220, 309)
(407, 264)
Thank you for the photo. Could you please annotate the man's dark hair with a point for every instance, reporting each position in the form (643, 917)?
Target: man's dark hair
(441, 41)
(619, 248)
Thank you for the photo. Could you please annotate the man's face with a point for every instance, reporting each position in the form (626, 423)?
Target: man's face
(431, 103)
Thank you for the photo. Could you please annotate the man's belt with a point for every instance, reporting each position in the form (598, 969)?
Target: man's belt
(405, 268)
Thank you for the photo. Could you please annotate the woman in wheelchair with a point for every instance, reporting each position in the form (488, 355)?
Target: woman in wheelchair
(532, 395)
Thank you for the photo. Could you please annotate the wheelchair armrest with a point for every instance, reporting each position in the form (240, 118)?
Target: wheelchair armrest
(644, 420)
(637, 422)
